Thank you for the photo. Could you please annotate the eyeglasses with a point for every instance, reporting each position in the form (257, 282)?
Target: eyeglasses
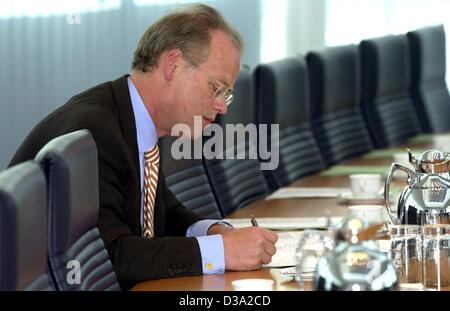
(219, 89)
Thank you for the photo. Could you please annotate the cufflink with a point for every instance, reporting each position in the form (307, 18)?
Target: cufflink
(209, 266)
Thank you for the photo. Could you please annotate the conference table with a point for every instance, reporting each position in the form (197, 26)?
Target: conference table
(336, 176)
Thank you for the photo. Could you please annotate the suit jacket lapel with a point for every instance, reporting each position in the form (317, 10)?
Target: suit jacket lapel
(127, 120)
(127, 125)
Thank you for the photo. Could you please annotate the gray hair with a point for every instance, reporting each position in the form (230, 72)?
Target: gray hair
(188, 30)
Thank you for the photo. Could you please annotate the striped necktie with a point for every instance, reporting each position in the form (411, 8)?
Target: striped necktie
(151, 168)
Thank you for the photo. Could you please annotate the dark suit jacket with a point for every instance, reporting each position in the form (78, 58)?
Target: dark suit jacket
(107, 112)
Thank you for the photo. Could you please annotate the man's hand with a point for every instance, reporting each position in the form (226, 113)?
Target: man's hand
(248, 248)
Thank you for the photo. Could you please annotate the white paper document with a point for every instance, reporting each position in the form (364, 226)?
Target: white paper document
(307, 192)
(286, 246)
(287, 223)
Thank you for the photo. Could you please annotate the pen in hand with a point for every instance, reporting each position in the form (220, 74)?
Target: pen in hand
(254, 223)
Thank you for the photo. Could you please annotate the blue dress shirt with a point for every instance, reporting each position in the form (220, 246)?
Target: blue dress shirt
(211, 246)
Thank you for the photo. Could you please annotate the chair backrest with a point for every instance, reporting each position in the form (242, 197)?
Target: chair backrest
(336, 117)
(70, 164)
(282, 97)
(188, 180)
(387, 105)
(238, 181)
(428, 86)
(23, 229)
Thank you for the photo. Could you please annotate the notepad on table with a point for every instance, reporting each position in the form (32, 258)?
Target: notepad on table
(286, 247)
(286, 251)
(307, 192)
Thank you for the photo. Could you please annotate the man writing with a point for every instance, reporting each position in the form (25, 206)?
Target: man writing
(184, 66)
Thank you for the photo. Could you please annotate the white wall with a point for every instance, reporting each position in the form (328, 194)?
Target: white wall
(290, 27)
(349, 21)
(306, 26)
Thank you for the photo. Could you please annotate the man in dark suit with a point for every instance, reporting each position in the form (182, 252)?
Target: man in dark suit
(184, 66)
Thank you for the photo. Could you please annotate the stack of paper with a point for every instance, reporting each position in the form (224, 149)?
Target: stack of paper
(286, 252)
(287, 223)
(307, 192)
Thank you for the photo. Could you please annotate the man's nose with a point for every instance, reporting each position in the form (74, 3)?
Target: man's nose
(220, 105)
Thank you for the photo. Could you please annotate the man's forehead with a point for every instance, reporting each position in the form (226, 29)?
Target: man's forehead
(222, 44)
(224, 58)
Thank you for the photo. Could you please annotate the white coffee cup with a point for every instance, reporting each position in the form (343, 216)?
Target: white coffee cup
(369, 214)
(365, 185)
(253, 285)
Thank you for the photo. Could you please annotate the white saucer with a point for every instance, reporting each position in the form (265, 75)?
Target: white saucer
(348, 198)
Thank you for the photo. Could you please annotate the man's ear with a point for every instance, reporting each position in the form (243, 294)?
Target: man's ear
(171, 60)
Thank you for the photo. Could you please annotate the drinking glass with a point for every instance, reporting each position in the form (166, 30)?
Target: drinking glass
(436, 256)
(312, 246)
(406, 252)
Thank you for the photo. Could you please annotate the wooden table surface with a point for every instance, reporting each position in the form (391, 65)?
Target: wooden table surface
(218, 282)
(279, 208)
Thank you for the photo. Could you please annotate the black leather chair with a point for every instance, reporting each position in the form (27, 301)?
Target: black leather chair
(282, 89)
(70, 163)
(336, 117)
(188, 180)
(23, 229)
(238, 182)
(387, 105)
(428, 86)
